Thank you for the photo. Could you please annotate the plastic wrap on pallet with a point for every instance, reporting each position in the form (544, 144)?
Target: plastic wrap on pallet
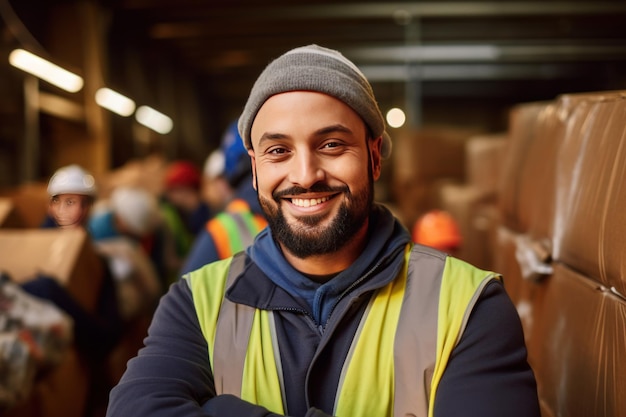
(590, 231)
(533, 258)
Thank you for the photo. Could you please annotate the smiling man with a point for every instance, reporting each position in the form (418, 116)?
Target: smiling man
(332, 311)
(315, 178)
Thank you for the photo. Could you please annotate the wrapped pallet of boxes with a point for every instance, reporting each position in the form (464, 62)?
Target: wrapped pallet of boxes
(576, 340)
(66, 255)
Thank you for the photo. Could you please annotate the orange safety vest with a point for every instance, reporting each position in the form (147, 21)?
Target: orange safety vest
(234, 229)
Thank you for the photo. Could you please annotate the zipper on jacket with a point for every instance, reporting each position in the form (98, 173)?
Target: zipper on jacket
(357, 283)
(305, 313)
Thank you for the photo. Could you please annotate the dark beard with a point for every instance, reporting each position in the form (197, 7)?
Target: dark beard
(304, 239)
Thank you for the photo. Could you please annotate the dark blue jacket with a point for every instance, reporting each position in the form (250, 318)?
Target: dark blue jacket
(487, 376)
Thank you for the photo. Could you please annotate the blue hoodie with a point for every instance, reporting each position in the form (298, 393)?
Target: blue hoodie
(386, 239)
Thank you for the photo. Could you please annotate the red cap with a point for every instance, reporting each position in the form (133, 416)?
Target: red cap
(182, 174)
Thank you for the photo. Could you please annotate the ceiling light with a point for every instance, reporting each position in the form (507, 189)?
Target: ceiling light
(396, 117)
(154, 120)
(45, 70)
(115, 102)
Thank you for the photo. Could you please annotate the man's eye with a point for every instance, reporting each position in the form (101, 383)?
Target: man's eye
(277, 151)
(331, 145)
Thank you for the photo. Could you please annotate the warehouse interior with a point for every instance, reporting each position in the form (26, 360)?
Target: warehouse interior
(514, 123)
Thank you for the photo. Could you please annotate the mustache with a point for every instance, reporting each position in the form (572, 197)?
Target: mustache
(316, 188)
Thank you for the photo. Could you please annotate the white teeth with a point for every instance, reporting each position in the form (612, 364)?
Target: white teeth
(308, 202)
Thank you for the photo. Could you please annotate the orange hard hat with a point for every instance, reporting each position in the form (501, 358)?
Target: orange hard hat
(437, 229)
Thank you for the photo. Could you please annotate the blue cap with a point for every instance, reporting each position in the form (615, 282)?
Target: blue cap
(236, 159)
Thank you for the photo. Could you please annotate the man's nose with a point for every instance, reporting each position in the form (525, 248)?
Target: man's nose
(306, 170)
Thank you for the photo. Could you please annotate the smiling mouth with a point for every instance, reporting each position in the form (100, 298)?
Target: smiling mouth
(308, 202)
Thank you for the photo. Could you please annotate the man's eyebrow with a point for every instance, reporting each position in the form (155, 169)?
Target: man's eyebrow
(332, 129)
(272, 136)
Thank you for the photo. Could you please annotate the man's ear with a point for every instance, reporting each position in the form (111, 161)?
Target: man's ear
(253, 163)
(376, 146)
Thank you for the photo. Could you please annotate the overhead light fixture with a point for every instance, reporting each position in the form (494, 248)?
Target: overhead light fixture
(115, 102)
(45, 70)
(154, 120)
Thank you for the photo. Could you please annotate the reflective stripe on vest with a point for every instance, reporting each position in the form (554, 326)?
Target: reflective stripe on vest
(235, 228)
(242, 350)
(442, 294)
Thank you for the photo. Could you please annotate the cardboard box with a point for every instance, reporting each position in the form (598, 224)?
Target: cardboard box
(68, 256)
(484, 155)
(30, 201)
(65, 254)
(9, 218)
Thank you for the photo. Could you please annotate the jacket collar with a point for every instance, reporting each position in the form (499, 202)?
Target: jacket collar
(270, 282)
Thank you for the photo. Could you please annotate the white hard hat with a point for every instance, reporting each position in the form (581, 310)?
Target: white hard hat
(136, 208)
(72, 179)
(214, 164)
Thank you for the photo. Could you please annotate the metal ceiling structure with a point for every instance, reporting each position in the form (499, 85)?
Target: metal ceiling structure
(524, 50)
(452, 63)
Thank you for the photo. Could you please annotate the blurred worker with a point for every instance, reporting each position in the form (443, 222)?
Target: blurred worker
(438, 229)
(216, 191)
(131, 233)
(182, 204)
(131, 212)
(72, 192)
(235, 228)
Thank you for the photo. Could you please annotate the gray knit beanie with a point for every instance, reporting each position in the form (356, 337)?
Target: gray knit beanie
(314, 68)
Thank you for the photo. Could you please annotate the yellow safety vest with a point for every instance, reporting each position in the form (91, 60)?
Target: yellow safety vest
(398, 355)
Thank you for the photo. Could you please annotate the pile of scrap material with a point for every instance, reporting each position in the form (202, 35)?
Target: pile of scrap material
(34, 336)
